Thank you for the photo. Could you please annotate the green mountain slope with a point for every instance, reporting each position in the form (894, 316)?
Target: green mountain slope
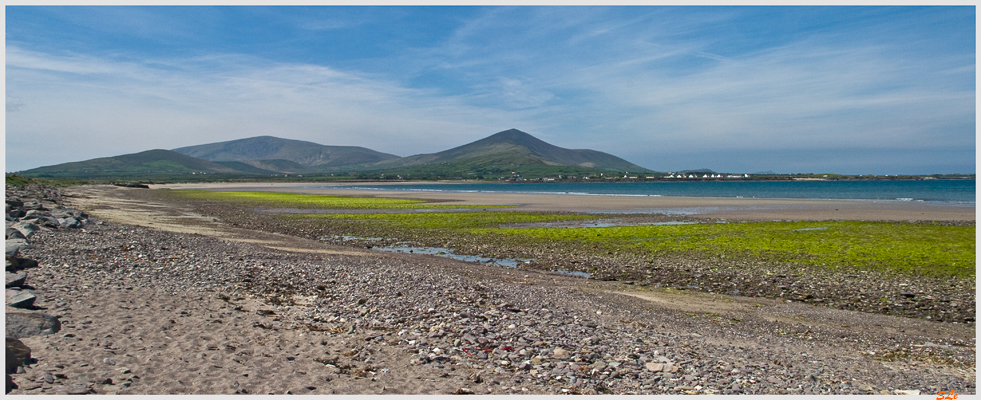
(147, 163)
(284, 155)
(510, 153)
(516, 148)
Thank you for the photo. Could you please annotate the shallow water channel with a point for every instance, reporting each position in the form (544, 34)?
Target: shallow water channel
(448, 253)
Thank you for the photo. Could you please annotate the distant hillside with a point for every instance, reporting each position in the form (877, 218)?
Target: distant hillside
(512, 148)
(284, 155)
(506, 154)
(147, 163)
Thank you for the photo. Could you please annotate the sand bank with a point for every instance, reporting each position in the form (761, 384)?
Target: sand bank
(713, 207)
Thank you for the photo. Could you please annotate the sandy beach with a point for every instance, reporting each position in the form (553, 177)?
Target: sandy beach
(710, 207)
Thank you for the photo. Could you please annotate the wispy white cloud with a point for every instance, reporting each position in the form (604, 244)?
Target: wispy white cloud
(672, 85)
(102, 107)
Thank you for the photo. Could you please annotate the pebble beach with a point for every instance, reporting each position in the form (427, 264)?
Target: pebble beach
(175, 303)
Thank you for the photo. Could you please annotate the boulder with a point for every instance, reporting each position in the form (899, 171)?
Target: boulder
(20, 298)
(47, 221)
(28, 229)
(33, 214)
(15, 234)
(33, 205)
(24, 324)
(15, 263)
(15, 245)
(16, 279)
(15, 202)
(18, 354)
(69, 222)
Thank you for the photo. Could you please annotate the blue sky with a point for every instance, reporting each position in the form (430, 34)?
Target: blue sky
(856, 90)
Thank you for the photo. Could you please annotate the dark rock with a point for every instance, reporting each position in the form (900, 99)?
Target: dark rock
(15, 263)
(26, 228)
(70, 223)
(20, 299)
(22, 324)
(32, 204)
(15, 245)
(133, 185)
(16, 279)
(14, 234)
(18, 354)
(48, 221)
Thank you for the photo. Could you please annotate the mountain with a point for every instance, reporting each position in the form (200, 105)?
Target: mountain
(284, 155)
(512, 148)
(147, 163)
(507, 154)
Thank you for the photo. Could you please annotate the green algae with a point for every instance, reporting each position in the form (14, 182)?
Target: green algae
(906, 248)
(297, 200)
(457, 221)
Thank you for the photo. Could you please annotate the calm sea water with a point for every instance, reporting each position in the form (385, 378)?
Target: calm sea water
(952, 192)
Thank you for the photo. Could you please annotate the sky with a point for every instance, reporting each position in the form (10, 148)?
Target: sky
(788, 89)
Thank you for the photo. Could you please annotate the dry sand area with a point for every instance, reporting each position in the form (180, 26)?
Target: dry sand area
(158, 300)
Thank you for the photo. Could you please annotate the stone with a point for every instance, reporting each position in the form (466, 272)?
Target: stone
(47, 221)
(15, 234)
(79, 389)
(20, 299)
(15, 263)
(21, 324)
(865, 387)
(913, 392)
(32, 215)
(656, 367)
(70, 223)
(16, 279)
(15, 245)
(560, 353)
(18, 354)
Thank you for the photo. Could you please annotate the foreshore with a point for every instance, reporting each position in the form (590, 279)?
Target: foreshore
(157, 296)
(708, 207)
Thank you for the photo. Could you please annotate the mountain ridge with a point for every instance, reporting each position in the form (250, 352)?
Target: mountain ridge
(502, 154)
(264, 148)
(512, 142)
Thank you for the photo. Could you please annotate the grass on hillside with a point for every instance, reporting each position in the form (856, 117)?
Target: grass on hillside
(295, 200)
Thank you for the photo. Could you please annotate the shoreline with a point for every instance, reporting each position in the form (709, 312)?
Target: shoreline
(709, 207)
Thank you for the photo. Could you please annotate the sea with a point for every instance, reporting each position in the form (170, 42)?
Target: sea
(949, 192)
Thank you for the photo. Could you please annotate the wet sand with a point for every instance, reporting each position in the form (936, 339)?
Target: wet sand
(711, 207)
